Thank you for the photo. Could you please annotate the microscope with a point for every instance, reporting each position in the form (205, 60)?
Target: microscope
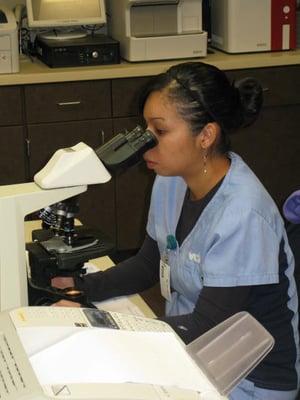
(60, 248)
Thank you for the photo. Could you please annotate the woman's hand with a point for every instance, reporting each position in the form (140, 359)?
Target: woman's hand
(62, 282)
(66, 303)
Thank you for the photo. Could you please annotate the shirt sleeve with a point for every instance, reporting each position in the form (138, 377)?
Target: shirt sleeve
(244, 250)
(134, 275)
(214, 305)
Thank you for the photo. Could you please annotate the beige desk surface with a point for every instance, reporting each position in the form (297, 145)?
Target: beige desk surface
(102, 263)
(33, 71)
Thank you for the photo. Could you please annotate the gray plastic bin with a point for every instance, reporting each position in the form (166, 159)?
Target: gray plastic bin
(229, 351)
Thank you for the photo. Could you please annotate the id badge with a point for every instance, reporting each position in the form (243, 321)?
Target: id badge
(164, 274)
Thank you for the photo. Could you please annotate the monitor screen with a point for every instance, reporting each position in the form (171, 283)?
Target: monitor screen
(64, 13)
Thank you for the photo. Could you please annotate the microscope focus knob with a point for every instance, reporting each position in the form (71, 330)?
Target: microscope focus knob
(95, 54)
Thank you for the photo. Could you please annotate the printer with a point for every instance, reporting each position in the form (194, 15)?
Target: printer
(90, 354)
(239, 26)
(9, 49)
(157, 29)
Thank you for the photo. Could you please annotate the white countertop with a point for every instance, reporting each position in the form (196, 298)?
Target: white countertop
(34, 71)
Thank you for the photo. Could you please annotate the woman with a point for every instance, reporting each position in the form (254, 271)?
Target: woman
(215, 238)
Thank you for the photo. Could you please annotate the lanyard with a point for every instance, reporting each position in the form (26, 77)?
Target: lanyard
(165, 271)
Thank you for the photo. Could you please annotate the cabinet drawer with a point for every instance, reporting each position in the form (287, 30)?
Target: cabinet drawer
(125, 96)
(281, 85)
(11, 110)
(70, 101)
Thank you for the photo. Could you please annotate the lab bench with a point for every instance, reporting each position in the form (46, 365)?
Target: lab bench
(44, 109)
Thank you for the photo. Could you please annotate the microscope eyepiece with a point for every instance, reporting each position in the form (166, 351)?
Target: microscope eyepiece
(126, 149)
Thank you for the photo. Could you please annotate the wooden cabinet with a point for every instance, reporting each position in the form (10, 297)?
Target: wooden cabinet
(72, 101)
(12, 137)
(133, 186)
(133, 190)
(271, 146)
(125, 96)
(12, 160)
(38, 119)
(281, 85)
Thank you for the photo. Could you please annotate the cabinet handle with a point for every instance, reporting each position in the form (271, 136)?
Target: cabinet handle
(102, 133)
(265, 89)
(28, 147)
(68, 103)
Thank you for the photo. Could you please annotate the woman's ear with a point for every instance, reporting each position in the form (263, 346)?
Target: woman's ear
(209, 135)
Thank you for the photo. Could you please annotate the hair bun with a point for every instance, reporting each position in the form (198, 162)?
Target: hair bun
(251, 99)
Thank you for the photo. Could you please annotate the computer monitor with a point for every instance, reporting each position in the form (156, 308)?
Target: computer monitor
(55, 14)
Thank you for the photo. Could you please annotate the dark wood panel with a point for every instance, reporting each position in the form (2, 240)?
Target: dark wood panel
(271, 147)
(281, 84)
(133, 189)
(12, 155)
(45, 139)
(125, 96)
(97, 208)
(70, 101)
(11, 105)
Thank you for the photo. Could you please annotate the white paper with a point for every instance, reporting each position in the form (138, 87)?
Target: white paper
(121, 305)
(37, 338)
(108, 356)
(91, 268)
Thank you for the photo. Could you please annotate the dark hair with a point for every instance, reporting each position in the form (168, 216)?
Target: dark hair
(203, 93)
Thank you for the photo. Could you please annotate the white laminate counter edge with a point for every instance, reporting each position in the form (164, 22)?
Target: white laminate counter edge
(32, 72)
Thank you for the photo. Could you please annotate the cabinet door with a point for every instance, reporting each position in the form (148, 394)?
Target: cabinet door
(97, 205)
(271, 147)
(12, 155)
(281, 85)
(12, 137)
(11, 105)
(133, 189)
(125, 96)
